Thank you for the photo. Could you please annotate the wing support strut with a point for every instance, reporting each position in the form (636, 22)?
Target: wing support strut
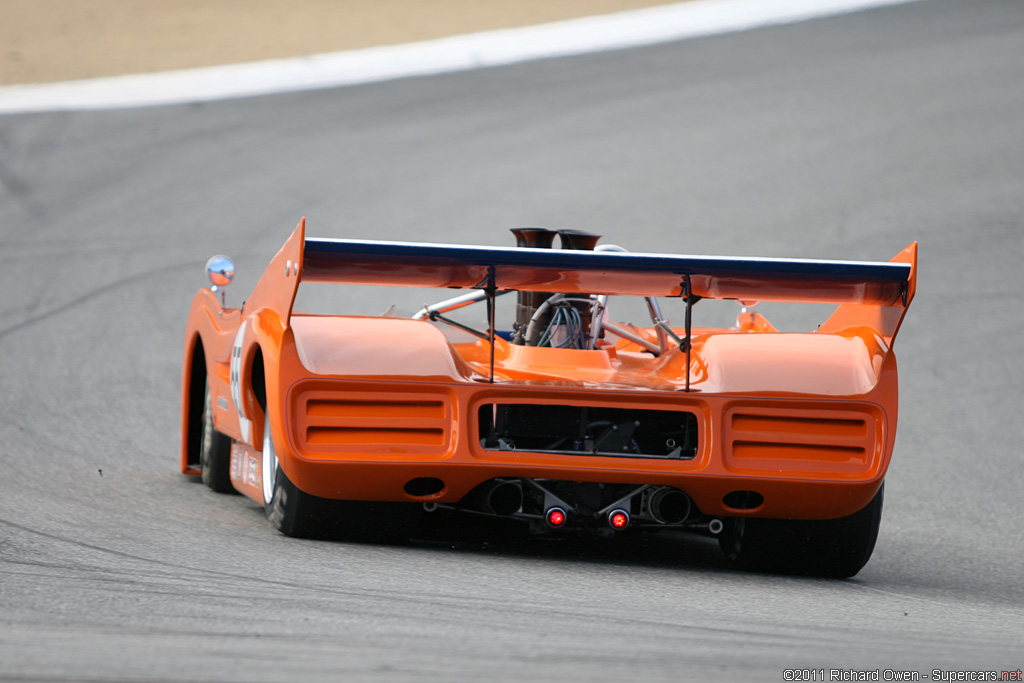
(690, 298)
(434, 315)
(490, 288)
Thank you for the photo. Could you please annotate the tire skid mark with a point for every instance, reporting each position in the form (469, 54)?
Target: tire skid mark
(472, 605)
(93, 294)
(859, 586)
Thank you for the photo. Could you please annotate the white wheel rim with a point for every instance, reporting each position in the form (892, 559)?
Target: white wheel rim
(206, 433)
(269, 463)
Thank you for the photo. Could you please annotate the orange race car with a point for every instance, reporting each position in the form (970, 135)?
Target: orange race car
(564, 418)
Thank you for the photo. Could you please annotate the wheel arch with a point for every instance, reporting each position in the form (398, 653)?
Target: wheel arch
(258, 377)
(259, 370)
(194, 386)
(256, 385)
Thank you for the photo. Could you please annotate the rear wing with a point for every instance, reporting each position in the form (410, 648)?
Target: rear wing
(873, 296)
(606, 272)
(870, 294)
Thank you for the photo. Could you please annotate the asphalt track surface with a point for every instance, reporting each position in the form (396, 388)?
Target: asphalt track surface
(845, 137)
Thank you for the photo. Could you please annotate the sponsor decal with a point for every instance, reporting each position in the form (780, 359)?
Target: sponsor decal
(246, 466)
(254, 471)
(244, 424)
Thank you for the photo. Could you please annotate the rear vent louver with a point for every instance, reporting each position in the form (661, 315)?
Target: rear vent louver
(765, 439)
(333, 422)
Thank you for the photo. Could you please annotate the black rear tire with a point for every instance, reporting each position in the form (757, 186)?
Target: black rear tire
(214, 451)
(834, 548)
(298, 514)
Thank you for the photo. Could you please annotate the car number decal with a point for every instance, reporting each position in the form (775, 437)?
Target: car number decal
(244, 424)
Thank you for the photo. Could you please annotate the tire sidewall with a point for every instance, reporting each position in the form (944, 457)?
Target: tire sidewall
(206, 435)
(836, 548)
(214, 450)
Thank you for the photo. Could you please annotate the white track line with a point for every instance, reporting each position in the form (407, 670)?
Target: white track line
(476, 50)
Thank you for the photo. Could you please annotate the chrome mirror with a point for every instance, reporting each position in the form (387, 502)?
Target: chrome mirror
(745, 319)
(221, 271)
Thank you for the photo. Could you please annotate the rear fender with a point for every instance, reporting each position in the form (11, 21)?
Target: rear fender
(255, 374)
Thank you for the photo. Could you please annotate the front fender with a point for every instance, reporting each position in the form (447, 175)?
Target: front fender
(211, 329)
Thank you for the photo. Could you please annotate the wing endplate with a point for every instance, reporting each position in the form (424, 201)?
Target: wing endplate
(883, 321)
(277, 286)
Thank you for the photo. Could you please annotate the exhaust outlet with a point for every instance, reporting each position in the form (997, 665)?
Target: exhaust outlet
(669, 506)
(503, 498)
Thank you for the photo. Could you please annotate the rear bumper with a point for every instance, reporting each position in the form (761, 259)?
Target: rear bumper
(791, 499)
(809, 458)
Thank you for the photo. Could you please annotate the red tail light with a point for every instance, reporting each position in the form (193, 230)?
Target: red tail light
(555, 517)
(618, 519)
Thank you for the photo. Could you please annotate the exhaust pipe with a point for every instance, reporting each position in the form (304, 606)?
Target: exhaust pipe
(500, 497)
(504, 498)
(669, 506)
